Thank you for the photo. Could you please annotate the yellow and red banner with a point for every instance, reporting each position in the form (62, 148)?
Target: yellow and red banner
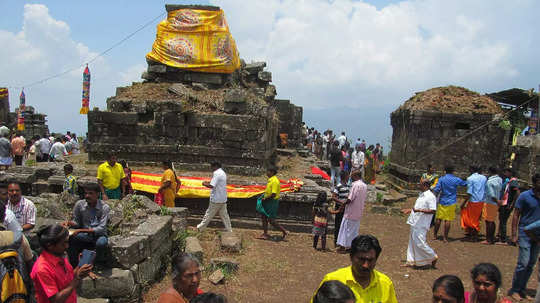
(3, 92)
(191, 187)
(197, 40)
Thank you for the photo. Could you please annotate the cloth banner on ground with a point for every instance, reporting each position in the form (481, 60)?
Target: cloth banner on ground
(20, 115)
(4, 92)
(196, 40)
(317, 171)
(85, 92)
(192, 186)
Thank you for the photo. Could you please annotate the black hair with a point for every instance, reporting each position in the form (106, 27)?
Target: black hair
(209, 297)
(343, 173)
(92, 187)
(449, 169)
(68, 167)
(123, 163)
(365, 243)
(493, 170)
(58, 140)
(511, 171)
(180, 263)
(110, 155)
(535, 178)
(215, 164)
(429, 166)
(51, 234)
(491, 272)
(333, 291)
(4, 185)
(452, 286)
(321, 197)
(273, 169)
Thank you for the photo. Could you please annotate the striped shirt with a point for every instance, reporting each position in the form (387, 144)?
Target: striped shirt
(342, 191)
(25, 211)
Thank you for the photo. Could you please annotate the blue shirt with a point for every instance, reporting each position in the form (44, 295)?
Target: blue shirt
(493, 189)
(447, 186)
(476, 187)
(529, 209)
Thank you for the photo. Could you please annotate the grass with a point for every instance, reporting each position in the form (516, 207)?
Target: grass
(380, 197)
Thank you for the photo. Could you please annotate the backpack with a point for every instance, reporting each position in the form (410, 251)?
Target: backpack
(13, 275)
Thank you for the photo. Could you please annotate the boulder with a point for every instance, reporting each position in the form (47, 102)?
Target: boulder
(216, 277)
(128, 251)
(157, 228)
(230, 241)
(193, 246)
(111, 283)
(225, 262)
(379, 209)
(144, 201)
(97, 300)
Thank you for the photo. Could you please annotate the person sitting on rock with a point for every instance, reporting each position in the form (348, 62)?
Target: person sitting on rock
(90, 218)
(24, 209)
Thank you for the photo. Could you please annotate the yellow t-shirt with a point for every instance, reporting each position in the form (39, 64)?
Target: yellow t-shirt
(110, 176)
(380, 289)
(273, 187)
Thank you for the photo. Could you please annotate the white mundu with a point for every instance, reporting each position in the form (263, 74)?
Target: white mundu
(218, 201)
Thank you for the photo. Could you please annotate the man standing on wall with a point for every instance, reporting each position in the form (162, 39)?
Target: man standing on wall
(111, 179)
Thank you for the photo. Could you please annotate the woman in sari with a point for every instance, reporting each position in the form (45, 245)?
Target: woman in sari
(169, 184)
(370, 165)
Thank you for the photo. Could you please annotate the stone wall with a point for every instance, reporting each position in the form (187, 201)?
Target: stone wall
(527, 157)
(417, 134)
(290, 122)
(4, 110)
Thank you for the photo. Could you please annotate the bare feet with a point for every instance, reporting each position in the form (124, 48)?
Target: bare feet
(434, 263)
(406, 265)
(486, 242)
(445, 240)
(501, 243)
(285, 233)
(263, 237)
(516, 297)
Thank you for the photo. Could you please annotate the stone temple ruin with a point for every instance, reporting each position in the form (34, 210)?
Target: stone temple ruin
(432, 119)
(34, 123)
(193, 118)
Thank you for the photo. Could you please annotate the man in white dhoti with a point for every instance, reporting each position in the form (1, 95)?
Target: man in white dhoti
(354, 208)
(419, 254)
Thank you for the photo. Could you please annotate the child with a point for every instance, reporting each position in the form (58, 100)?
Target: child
(340, 195)
(321, 212)
(70, 183)
(127, 172)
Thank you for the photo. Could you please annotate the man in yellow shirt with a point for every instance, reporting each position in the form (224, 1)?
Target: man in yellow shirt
(111, 179)
(268, 204)
(367, 284)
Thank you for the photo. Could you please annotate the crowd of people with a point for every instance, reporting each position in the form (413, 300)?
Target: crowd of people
(15, 148)
(343, 155)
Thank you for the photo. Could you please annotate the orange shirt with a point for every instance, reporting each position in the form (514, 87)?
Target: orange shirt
(172, 296)
(18, 144)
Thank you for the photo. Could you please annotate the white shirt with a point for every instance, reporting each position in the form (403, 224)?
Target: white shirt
(58, 151)
(44, 145)
(218, 194)
(11, 223)
(426, 200)
(341, 140)
(357, 158)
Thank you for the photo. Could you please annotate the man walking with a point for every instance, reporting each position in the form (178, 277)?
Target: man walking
(527, 211)
(446, 210)
(218, 198)
(471, 209)
(508, 200)
(491, 206)
(336, 156)
(354, 208)
(18, 144)
(44, 146)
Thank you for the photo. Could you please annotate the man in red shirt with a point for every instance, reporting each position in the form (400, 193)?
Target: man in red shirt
(54, 278)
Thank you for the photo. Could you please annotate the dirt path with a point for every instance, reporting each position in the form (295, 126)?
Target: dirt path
(290, 271)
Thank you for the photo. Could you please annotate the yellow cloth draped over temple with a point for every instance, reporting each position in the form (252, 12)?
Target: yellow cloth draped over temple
(196, 40)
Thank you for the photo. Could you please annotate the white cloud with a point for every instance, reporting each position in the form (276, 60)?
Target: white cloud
(350, 49)
(45, 47)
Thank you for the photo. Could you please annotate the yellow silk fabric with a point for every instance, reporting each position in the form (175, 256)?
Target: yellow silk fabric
(196, 40)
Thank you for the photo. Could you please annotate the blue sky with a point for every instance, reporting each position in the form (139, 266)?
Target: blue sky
(348, 63)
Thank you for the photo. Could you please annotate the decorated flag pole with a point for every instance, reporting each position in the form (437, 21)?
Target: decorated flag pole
(22, 106)
(85, 92)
